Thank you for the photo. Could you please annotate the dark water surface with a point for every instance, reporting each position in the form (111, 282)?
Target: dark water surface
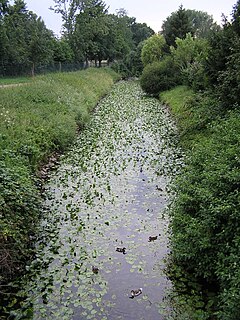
(109, 191)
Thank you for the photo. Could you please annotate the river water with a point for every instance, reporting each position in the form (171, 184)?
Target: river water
(110, 191)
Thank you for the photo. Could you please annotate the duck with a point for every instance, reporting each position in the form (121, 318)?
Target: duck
(152, 238)
(158, 188)
(135, 293)
(123, 250)
(95, 269)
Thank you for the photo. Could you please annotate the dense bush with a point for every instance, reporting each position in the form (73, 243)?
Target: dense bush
(205, 213)
(159, 76)
(206, 222)
(153, 50)
(20, 208)
(36, 119)
(189, 56)
(229, 80)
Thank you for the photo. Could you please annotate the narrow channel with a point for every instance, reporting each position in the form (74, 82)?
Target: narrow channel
(110, 191)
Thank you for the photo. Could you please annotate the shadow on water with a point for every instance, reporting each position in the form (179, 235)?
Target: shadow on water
(109, 192)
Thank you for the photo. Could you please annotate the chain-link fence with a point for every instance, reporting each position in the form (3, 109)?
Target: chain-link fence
(25, 70)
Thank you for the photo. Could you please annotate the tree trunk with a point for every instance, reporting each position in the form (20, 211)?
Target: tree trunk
(33, 69)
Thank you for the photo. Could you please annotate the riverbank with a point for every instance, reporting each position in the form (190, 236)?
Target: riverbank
(37, 120)
(205, 214)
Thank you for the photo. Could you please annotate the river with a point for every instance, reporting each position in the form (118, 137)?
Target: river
(110, 191)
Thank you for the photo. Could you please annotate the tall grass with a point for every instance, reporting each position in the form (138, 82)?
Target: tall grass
(35, 120)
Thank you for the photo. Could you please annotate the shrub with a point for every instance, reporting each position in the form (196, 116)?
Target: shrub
(205, 216)
(153, 49)
(159, 76)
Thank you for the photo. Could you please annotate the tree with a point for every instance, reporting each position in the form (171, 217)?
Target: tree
(62, 51)
(153, 49)
(236, 18)
(220, 43)
(89, 29)
(24, 39)
(177, 25)
(189, 56)
(228, 78)
(68, 10)
(39, 43)
(202, 23)
(140, 32)
(4, 6)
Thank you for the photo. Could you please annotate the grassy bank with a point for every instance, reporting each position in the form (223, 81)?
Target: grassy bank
(36, 120)
(14, 80)
(205, 217)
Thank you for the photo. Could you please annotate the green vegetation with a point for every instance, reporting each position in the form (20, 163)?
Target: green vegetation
(205, 212)
(153, 49)
(90, 33)
(36, 120)
(192, 112)
(184, 21)
(159, 76)
(14, 80)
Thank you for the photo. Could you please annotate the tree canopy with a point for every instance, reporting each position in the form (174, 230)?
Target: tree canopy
(184, 21)
(89, 33)
(177, 25)
(24, 38)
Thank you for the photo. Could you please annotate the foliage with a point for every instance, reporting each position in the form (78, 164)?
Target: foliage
(204, 215)
(134, 61)
(62, 51)
(191, 111)
(236, 18)
(190, 55)
(202, 23)
(184, 21)
(25, 40)
(177, 25)
(223, 62)
(220, 44)
(159, 76)
(90, 30)
(206, 221)
(37, 119)
(153, 49)
(141, 32)
(230, 78)
(94, 34)
(89, 33)
(20, 208)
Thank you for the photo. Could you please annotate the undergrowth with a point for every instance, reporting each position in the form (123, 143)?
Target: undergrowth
(205, 220)
(36, 120)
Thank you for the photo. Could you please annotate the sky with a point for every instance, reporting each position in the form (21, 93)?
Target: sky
(152, 12)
